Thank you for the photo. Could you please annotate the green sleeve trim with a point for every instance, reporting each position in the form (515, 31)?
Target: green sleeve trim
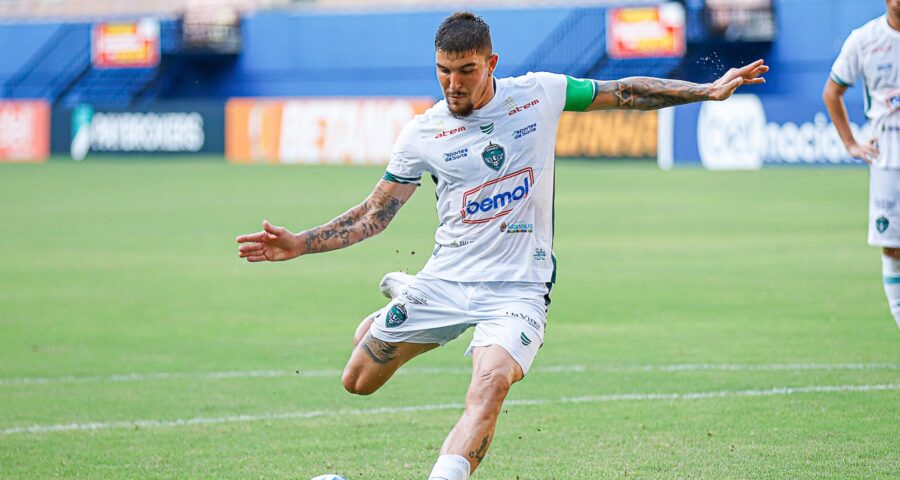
(836, 79)
(398, 179)
(579, 94)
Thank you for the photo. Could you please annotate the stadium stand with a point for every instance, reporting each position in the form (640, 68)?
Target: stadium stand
(107, 9)
(275, 48)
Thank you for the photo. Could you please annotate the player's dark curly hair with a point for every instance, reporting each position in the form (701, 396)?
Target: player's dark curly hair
(463, 32)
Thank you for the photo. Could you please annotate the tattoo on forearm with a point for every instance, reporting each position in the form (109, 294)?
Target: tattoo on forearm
(645, 93)
(309, 242)
(359, 223)
(478, 455)
(379, 351)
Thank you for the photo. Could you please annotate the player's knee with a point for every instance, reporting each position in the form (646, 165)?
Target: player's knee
(357, 384)
(489, 388)
(892, 252)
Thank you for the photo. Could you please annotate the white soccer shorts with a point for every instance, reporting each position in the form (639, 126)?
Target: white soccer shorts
(884, 208)
(430, 310)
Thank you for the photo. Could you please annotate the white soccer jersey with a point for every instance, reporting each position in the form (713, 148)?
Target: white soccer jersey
(873, 51)
(495, 180)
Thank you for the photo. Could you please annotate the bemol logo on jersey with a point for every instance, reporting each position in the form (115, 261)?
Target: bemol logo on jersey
(498, 197)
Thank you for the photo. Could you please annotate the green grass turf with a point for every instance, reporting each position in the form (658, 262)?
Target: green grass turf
(116, 267)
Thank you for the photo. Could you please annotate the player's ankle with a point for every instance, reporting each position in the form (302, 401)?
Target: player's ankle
(450, 467)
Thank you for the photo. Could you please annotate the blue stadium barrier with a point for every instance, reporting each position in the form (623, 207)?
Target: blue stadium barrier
(53, 65)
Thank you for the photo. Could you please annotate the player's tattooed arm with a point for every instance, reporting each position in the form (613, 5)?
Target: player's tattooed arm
(378, 350)
(646, 93)
(365, 220)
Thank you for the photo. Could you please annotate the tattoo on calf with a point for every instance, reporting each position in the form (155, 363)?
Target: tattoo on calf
(379, 351)
(478, 455)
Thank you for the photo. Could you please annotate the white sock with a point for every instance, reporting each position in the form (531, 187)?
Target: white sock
(450, 467)
(891, 271)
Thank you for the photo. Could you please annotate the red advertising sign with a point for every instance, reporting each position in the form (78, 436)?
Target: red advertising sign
(656, 31)
(24, 130)
(125, 45)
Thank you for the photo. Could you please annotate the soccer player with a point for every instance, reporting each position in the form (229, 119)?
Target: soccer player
(489, 146)
(873, 52)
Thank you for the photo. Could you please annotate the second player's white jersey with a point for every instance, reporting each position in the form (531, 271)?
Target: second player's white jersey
(495, 180)
(873, 52)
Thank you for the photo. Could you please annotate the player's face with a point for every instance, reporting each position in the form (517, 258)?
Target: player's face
(466, 79)
(893, 8)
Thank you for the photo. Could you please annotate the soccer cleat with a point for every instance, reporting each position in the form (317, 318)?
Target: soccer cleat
(394, 282)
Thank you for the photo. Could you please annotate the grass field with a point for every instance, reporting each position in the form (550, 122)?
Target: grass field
(754, 291)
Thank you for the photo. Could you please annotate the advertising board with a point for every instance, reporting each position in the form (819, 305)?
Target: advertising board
(176, 128)
(317, 131)
(640, 32)
(751, 131)
(607, 134)
(24, 130)
(125, 44)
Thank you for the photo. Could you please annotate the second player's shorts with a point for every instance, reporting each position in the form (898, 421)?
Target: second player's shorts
(884, 207)
(430, 310)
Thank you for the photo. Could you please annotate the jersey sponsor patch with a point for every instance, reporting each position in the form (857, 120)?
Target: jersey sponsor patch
(526, 106)
(517, 227)
(447, 133)
(524, 131)
(463, 153)
(497, 197)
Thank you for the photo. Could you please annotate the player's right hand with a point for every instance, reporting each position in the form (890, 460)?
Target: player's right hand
(272, 244)
(867, 153)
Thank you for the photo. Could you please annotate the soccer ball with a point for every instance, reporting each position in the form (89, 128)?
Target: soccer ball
(328, 476)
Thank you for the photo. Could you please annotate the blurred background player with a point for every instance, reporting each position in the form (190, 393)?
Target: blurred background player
(489, 145)
(873, 52)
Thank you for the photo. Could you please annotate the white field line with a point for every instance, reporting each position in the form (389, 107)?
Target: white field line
(618, 397)
(688, 367)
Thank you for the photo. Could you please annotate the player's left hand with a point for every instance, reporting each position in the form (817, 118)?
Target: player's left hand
(866, 152)
(749, 74)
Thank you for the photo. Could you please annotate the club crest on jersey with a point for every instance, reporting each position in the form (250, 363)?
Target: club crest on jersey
(882, 224)
(497, 197)
(396, 316)
(494, 156)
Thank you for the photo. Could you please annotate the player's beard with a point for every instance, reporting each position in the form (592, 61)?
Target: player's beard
(462, 108)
